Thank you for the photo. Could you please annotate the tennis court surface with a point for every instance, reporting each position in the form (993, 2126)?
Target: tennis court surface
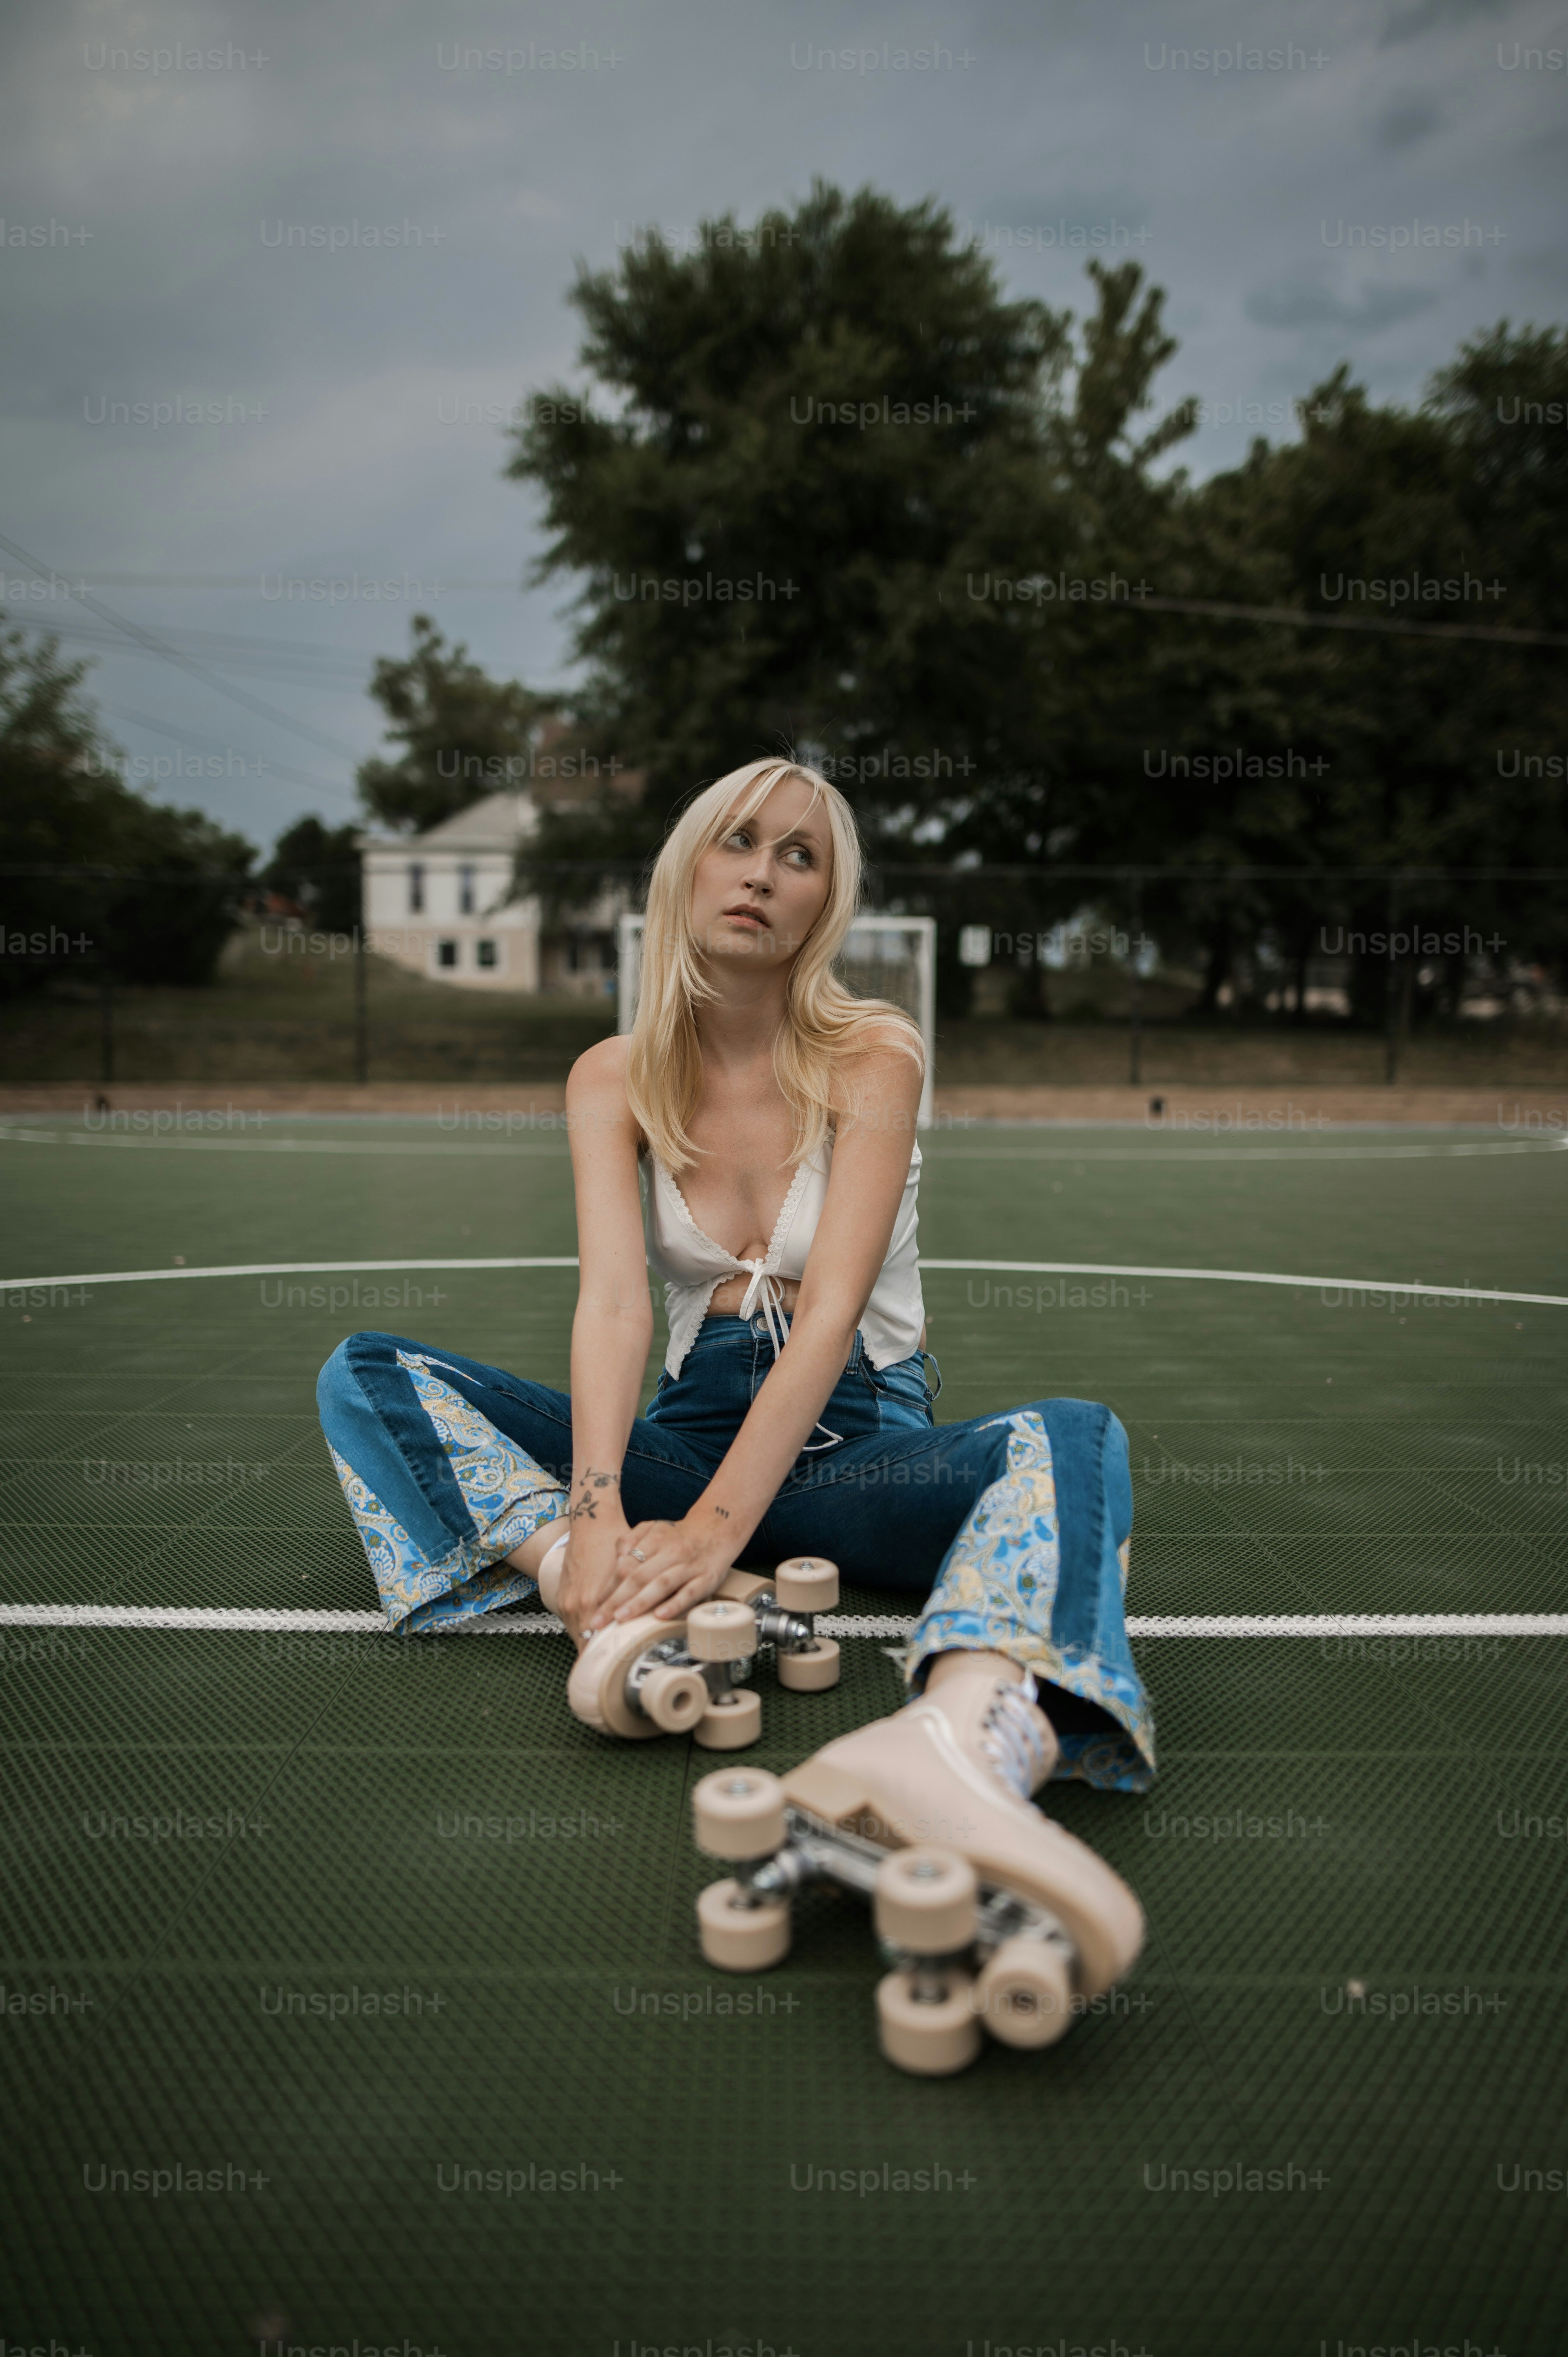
(382, 1972)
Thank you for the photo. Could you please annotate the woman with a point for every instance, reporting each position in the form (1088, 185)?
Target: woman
(770, 1115)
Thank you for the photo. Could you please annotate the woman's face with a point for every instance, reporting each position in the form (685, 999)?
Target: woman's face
(760, 889)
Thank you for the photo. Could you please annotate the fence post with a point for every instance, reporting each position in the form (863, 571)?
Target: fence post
(361, 1009)
(105, 1017)
(1392, 996)
(1135, 1002)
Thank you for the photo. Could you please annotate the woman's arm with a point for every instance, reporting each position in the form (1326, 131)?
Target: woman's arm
(613, 1325)
(686, 1561)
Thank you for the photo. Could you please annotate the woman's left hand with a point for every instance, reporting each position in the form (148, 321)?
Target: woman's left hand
(665, 1569)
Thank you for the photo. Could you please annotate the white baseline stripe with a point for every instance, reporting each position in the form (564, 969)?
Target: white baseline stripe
(1304, 1152)
(1157, 1624)
(991, 1268)
(262, 1144)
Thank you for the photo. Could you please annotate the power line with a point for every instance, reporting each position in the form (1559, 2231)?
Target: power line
(291, 670)
(150, 641)
(193, 736)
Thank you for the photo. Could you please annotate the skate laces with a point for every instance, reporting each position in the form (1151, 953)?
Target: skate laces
(1011, 1738)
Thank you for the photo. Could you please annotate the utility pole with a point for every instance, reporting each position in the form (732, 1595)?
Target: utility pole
(1135, 1002)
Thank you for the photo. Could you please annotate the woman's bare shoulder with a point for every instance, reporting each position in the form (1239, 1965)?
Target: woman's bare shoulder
(602, 1066)
(596, 1090)
(880, 1066)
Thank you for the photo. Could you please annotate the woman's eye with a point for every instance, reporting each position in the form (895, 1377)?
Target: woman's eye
(738, 841)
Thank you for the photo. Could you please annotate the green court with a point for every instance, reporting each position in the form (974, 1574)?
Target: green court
(382, 1970)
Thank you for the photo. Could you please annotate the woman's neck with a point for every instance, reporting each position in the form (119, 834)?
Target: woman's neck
(739, 1027)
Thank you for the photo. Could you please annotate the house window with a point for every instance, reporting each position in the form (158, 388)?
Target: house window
(415, 889)
(485, 954)
(447, 954)
(465, 891)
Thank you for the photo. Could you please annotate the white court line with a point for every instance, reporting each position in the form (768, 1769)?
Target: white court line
(986, 1267)
(1157, 1624)
(1244, 1153)
(1304, 1151)
(259, 1144)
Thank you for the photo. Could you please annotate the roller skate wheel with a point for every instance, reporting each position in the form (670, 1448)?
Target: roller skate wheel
(718, 1632)
(925, 1901)
(738, 1812)
(930, 2036)
(740, 1939)
(550, 1572)
(731, 1721)
(1023, 1995)
(673, 1698)
(807, 1583)
(811, 1672)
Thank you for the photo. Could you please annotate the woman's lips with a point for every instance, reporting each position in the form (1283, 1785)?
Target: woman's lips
(749, 917)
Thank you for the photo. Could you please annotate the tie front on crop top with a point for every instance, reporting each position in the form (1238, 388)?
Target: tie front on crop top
(693, 1266)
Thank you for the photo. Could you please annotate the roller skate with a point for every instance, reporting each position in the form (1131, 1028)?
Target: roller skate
(990, 1915)
(648, 1677)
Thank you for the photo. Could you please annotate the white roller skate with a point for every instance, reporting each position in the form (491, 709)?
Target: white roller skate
(991, 1915)
(649, 1676)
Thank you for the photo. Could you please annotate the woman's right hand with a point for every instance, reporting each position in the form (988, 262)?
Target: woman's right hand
(589, 1574)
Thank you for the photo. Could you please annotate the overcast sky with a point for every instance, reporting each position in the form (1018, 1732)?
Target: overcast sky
(157, 193)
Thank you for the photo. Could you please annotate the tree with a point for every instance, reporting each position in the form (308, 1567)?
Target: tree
(317, 867)
(1449, 515)
(462, 734)
(816, 430)
(167, 890)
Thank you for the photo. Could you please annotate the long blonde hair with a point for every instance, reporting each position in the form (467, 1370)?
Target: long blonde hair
(824, 1022)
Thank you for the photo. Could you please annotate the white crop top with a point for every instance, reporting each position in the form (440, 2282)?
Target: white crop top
(692, 1266)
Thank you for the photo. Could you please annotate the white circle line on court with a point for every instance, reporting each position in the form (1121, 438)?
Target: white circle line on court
(975, 1267)
(302, 1621)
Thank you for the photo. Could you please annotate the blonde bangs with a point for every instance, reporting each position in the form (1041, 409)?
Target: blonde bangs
(824, 1023)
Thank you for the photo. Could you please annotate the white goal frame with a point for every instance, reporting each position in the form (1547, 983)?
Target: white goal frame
(922, 930)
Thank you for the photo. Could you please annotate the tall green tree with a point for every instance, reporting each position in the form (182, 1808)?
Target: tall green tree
(810, 436)
(462, 734)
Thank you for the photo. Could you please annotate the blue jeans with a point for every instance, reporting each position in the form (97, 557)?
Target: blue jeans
(1011, 1530)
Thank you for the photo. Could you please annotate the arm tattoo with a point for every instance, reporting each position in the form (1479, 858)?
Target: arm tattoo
(591, 1478)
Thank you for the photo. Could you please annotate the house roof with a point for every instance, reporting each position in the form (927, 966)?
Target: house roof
(498, 823)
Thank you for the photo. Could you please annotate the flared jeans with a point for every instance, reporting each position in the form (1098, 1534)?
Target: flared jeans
(1010, 1533)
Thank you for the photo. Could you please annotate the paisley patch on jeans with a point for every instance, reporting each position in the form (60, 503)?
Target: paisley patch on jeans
(508, 1496)
(996, 1593)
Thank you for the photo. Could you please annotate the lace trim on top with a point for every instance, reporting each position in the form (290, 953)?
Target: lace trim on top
(738, 1267)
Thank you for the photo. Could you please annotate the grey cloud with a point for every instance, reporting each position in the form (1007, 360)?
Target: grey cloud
(1405, 121)
(1432, 15)
(359, 356)
(1318, 307)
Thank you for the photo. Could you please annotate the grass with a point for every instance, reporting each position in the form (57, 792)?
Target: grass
(275, 1018)
(998, 1052)
(278, 1018)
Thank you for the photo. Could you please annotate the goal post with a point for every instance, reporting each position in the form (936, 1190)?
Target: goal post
(883, 957)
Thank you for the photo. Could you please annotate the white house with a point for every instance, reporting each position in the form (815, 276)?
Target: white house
(440, 904)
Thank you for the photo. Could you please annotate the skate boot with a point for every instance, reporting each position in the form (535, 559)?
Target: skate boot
(991, 1915)
(649, 1676)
